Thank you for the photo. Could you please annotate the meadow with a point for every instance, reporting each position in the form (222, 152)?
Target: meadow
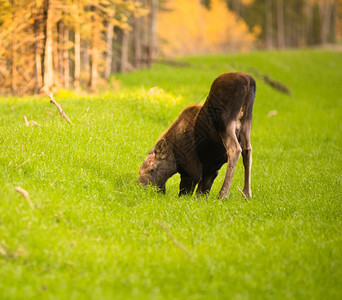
(88, 231)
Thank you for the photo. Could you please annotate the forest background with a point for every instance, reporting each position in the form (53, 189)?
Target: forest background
(50, 44)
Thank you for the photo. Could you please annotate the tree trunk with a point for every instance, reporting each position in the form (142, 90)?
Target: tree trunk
(237, 7)
(77, 71)
(109, 55)
(14, 73)
(154, 30)
(308, 23)
(137, 42)
(325, 12)
(94, 53)
(280, 24)
(124, 51)
(334, 22)
(48, 79)
(57, 36)
(66, 70)
(268, 24)
(145, 46)
(37, 58)
(77, 48)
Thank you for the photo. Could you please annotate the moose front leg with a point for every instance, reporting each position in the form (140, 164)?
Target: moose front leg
(187, 185)
(206, 183)
(233, 149)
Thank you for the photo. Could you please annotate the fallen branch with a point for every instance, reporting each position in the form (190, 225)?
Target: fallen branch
(25, 194)
(52, 101)
(30, 123)
(4, 250)
(8, 254)
(276, 84)
(272, 113)
(22, 164)
(242, 193)
(173, 239)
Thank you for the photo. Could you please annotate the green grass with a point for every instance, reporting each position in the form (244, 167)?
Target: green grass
(94, 234)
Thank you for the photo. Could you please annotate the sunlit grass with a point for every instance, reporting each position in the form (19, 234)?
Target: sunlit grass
(94, 234)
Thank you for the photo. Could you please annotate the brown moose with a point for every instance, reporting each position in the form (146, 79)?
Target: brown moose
(204, 137)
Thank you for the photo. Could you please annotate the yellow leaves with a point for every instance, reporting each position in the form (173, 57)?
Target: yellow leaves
(257, 29)
(188, 27)
(247, 2)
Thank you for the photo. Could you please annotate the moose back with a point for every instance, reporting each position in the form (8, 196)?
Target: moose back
(204, 137)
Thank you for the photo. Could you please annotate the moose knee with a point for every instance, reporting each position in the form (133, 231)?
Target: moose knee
(234, 150)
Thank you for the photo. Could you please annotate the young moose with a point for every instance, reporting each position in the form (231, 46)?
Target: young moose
(204, 137)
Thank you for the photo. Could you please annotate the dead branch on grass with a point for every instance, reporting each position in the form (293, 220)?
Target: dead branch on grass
(25, 194)
(22, 164)
(173, 239)
(242, 193)
(272, 113)
(7, 253)
(52, 101)
(30, 123)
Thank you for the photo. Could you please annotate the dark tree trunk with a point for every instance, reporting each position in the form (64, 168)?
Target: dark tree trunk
(77, 66)
(66, 70)
(37, 58)
(280, 24)
(14, 73)
(137, 42)
(48, 79)
(124, 51)
(154, 30)
(268, 24)
(94, 53)
(109, 54)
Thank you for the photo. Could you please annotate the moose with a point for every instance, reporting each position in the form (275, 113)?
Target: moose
(204, 137)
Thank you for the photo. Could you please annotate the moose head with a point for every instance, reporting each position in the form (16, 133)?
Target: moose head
(158, 166)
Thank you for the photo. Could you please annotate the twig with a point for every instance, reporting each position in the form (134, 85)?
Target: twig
(25, 194)
(173, 239)
(30, 123)
(52, 101)
(3, 250)
(22, 164)
(242, 193)
(272, 113)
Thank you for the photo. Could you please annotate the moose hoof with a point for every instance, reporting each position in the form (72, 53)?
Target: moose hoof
(223, 195)
(247, 193)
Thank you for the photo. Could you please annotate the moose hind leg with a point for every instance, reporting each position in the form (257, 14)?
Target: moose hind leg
(233, 149)
(247, 163)
(246, 157)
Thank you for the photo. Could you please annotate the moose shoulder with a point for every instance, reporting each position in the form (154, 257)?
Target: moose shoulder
(204, 137)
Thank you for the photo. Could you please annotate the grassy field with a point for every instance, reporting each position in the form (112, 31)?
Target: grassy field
(92, 233)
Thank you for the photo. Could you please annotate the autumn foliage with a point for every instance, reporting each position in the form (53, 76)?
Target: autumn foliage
(188, 27)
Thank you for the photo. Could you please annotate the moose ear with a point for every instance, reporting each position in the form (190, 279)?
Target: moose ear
(160, 150)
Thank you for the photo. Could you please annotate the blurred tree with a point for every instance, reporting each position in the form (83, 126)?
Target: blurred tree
(51, 43)
(47, 44)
